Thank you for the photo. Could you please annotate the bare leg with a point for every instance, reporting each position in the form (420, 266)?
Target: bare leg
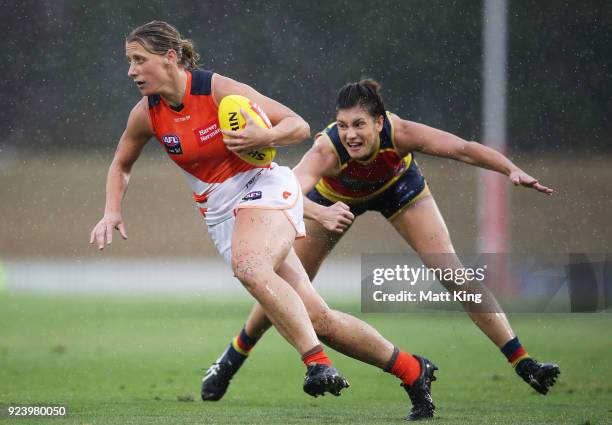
(260, 244)
(423, 227)
(311, 250)
(257, 323)
(340, 331)
(262, 248)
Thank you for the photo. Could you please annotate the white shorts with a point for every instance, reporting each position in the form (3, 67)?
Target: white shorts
(276, 188)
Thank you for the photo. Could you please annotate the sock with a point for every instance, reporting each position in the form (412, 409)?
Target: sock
(316, 355)
(514, 351)
(240, 348)
(404, 365)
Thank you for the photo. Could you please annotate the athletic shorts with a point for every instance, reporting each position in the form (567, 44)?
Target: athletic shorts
(410, 187)
(275, 188)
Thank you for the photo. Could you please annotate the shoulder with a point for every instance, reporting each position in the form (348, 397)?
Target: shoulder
(325, 153)
(138, 120)
(332, 138)
(323, 146)
(399, 125)
(222, 86)
(405, 133)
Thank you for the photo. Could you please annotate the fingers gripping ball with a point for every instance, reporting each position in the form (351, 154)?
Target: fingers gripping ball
(230, 118)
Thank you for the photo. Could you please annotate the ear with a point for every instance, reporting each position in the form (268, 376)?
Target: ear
(171, 57)
(378, 123)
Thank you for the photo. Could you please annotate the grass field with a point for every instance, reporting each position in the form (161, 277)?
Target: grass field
(128, 361)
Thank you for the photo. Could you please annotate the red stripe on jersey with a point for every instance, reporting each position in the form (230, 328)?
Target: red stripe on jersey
(359, 179)
(200, 198)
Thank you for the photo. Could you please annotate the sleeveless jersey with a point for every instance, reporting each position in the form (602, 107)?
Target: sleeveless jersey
(192, 138)
(362, 180)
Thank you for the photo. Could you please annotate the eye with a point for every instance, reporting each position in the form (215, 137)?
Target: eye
(342, 126)
(135, 60)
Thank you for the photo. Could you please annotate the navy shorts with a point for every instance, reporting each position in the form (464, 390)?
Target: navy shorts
(389, 202)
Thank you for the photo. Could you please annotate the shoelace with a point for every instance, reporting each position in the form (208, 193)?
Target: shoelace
(213, 370)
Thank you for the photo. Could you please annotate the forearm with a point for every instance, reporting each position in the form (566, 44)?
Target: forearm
(485, 157)
(116, 187)
(312, 210)
(289, 131)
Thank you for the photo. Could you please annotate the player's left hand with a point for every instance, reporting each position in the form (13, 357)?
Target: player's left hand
(519, 177)
(250, 137)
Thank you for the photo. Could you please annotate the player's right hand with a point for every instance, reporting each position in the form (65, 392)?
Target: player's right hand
(337, 218)
(102, 232)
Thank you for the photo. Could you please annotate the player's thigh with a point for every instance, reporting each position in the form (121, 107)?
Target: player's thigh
(423, 227)
(314, 248)
(261, 240)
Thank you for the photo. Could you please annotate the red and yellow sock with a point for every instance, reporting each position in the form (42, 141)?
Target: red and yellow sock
(316, 355)
(514, 351)
(243, 344)
(404, 365)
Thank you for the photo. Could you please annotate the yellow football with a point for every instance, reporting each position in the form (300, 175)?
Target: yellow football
(230, 118)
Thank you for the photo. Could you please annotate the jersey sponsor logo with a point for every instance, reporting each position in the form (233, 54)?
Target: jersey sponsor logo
(251, 196)
(286, 194)
(206, 133)
(172, 143)
(181, 119)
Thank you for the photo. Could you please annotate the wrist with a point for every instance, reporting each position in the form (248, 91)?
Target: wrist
(272, 137)
(511, 169)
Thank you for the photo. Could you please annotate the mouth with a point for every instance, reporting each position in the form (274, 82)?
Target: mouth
(140, 84)
(354, 145)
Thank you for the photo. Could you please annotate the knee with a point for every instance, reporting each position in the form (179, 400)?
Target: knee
(249, 270)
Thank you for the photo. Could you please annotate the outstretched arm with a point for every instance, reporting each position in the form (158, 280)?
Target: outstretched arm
(412, 136)
(321, 161)
(135, 136)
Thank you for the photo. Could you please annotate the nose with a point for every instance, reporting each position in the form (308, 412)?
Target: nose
(132, 71)
(350, 133)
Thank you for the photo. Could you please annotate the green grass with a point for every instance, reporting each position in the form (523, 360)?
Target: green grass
(125, 361)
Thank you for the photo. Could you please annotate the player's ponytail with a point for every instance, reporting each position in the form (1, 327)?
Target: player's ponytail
(189, 57)
(363, 93)
(158, 37)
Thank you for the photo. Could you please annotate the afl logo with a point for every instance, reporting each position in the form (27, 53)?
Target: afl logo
(172, 144)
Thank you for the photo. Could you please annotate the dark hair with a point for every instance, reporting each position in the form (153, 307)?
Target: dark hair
(365, 94)
(158, 37)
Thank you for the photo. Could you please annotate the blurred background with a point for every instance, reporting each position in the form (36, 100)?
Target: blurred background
(66, 98)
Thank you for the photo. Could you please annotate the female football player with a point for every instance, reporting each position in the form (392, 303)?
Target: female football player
(364, 161)
(243, 204)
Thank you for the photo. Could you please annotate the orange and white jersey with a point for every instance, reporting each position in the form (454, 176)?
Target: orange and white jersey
(192, 137)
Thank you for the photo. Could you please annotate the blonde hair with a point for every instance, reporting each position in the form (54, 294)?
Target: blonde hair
(158, 37)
